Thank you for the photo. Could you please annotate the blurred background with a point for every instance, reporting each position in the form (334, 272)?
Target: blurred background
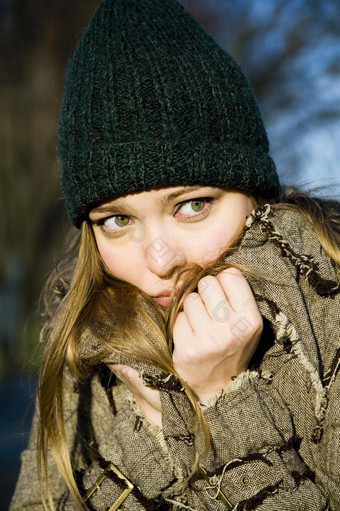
(290, 51)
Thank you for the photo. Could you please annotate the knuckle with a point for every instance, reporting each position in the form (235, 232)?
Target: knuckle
(189, 356)
(205, 283)
(232, 272)
(256, 321)
(207, 279)
(191, 297)
(244, 328)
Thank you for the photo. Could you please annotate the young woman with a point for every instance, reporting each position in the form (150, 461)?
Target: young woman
(191, 336)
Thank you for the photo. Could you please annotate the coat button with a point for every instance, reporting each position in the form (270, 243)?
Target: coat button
(245, 480)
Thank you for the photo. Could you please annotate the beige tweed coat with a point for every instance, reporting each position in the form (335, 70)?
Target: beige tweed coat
(275, 430)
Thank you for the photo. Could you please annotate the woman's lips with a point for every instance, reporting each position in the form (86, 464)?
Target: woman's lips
(164, 298)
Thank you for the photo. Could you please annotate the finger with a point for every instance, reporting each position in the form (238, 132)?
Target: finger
(130, 377)
(214, 298)
(195, 311)
(237, 290)
(182, 327)
(124, 373)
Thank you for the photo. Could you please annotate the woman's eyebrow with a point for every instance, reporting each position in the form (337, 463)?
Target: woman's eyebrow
(109, 208)
(163, 201)
(177, 193)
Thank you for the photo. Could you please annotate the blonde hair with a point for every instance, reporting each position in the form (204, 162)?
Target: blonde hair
(85, 296)
(81, 294)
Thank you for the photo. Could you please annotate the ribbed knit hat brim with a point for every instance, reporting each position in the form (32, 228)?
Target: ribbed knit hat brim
(148, 165)
(152, 101)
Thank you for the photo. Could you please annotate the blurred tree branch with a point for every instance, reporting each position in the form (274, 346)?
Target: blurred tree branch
(290, 50)
(37, 38)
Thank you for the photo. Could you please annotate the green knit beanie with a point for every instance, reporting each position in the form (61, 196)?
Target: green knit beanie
(152, 101)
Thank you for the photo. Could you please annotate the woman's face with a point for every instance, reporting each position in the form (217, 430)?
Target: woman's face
(146, 238)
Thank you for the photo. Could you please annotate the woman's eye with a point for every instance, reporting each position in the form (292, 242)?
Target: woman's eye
(193, 207)
(197, 205)
(113, 223)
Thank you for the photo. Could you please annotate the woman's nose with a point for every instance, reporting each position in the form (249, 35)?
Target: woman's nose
(164, 258)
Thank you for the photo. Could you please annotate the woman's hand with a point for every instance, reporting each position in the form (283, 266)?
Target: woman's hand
(147, 398)
(214, 339)
(217, 333)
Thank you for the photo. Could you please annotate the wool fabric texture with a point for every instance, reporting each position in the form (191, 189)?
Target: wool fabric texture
(274, 431)
(151, 100)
